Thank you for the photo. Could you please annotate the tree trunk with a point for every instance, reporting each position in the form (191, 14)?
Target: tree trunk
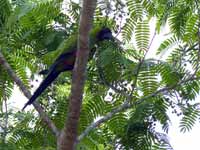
(68, 136)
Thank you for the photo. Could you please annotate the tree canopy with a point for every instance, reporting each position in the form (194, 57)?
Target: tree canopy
(126, 93)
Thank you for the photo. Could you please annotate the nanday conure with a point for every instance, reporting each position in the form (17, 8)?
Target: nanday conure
(65, 62)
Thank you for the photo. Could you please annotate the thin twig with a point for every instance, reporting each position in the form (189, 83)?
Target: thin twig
(191, 48)
(125, 106)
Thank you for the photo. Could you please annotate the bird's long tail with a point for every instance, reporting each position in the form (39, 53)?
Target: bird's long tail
(45, 83)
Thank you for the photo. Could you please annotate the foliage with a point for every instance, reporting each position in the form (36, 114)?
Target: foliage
(31, 33)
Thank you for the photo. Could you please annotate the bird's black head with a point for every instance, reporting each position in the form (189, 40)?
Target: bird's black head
(104, 34)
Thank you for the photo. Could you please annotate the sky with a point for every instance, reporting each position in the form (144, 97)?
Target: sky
(184, 141)
(178, 140)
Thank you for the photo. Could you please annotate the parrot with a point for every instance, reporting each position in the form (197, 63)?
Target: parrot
(66, 60)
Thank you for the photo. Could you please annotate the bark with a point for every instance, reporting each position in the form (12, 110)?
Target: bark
(27, 93)
(67, 140)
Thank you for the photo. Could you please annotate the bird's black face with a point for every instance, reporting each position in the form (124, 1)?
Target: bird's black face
(104, 34)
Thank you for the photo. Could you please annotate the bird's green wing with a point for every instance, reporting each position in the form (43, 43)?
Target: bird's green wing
(70, 44)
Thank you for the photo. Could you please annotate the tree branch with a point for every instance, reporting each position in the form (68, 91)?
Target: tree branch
(27, 93)
(127, 105)
(68, 136)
